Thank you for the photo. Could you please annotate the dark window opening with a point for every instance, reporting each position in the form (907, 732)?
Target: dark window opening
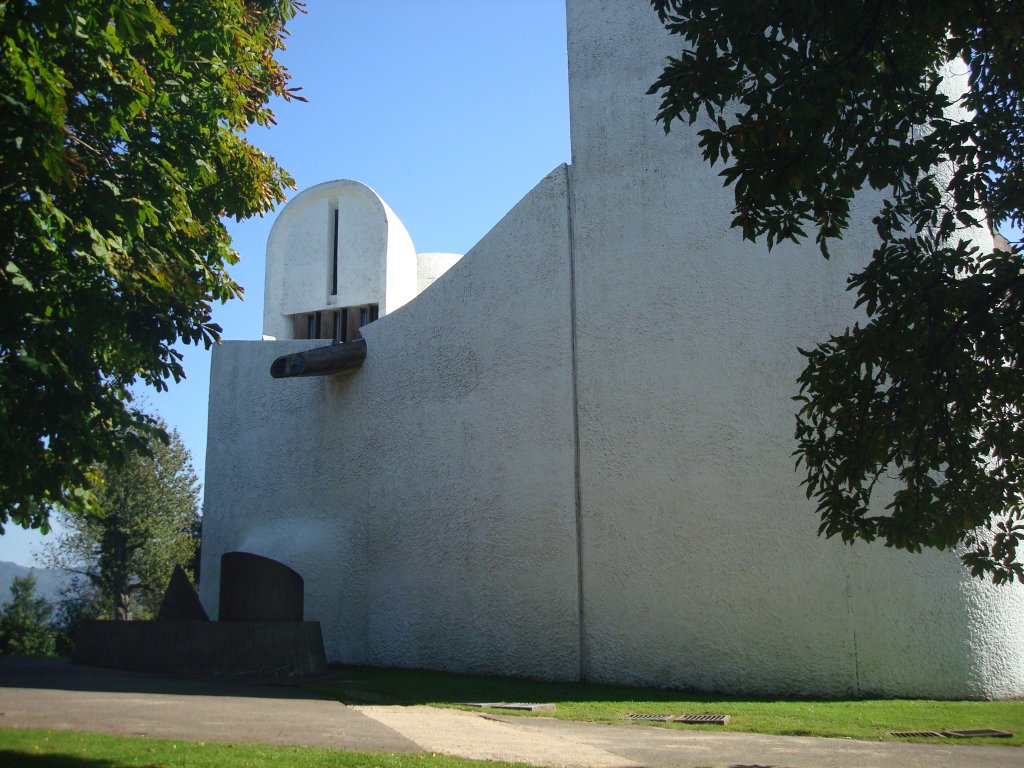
(337, 325)
(334, 257)
(368, 314)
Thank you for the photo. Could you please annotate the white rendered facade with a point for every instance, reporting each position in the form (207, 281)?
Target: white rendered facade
(337, 258)
(571, 456)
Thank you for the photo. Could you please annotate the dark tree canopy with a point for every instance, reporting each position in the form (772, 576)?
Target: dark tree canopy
(26, 622)
(121, 150)
(804, 104)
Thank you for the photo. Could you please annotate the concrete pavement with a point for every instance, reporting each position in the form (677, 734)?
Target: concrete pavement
(54, 694)
(51, 693)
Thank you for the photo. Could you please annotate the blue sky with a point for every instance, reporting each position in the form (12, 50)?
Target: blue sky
(451, 110)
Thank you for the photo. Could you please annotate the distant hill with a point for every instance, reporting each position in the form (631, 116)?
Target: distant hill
(49, 582)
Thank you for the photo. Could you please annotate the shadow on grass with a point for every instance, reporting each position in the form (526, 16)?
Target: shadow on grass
(414, 686)
(28, 760)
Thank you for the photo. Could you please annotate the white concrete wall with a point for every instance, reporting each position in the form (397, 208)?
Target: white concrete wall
(429, 499)
(376, 257)
(402, 266)
(430, 266)
(701, 563)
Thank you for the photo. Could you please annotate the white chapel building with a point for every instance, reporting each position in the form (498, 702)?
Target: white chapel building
(568, 454)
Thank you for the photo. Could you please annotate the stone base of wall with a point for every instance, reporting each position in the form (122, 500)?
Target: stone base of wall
(257, 648)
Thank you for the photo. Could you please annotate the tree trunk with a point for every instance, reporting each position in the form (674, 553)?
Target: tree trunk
(120, 578)
(122, 605)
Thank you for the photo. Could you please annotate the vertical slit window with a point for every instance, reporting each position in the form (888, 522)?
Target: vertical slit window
(310, 326)
(336, 330)
(334, 256)
(364, 316)
(344, 324)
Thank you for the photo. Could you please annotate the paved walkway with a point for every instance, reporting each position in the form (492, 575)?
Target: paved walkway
(55, 694)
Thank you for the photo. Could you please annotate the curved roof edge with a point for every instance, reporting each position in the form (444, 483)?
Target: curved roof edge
(325, 188)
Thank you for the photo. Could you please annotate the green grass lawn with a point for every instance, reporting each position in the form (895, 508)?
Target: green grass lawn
(38, 748)
(871, 719)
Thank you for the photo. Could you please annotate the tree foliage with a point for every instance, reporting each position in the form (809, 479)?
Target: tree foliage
(26, 628)
(146, 523)
(804, 104)
(120, 134)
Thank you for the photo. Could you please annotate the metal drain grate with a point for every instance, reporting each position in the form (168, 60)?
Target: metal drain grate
(972, 732)
(702, 719)
(693, 719)
(526, 706)
(917, 734)
(967, 733)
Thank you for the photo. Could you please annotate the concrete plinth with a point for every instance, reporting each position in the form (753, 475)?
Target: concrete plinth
(260, 648)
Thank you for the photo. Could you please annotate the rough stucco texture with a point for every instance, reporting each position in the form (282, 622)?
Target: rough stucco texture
(701, 565)
(428, 499)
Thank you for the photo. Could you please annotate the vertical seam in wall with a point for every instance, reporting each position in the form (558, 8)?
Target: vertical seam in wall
(581, 639)
(853, 634)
